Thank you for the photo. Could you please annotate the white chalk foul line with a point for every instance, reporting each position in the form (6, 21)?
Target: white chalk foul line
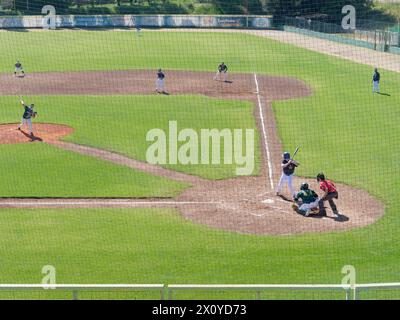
(105, 203)
(264, 134)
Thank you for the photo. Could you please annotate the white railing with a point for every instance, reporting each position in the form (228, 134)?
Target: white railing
(351, 292)
(76, 288)
(258, 288)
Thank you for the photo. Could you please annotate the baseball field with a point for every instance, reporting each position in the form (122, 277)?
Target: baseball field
(81, 197)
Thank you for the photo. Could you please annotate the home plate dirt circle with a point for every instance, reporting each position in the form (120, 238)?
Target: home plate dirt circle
(43, 132)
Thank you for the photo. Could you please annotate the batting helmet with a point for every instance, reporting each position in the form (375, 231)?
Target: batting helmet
(320, 176)
(304, 186)
(286, 155)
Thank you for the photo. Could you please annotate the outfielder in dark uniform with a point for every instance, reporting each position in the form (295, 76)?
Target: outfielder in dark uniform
(376, 78)
(330, 193)
(222, 69)
(29, 113)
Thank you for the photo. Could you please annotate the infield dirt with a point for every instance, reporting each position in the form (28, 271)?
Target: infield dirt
(243, 204)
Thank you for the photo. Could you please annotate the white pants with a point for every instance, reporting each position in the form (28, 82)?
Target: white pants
(217, 76)
(309, 206)
(160, 85)
(28, 122)
(376, 86)
(289, 180)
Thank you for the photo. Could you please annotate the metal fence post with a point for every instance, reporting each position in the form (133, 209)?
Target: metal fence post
(347, 294)
(164, 292)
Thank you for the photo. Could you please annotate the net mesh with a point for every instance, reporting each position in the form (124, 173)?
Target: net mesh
(149, 161)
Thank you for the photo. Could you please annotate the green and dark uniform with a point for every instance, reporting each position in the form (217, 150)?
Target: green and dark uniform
(306, 196)
(309, 201)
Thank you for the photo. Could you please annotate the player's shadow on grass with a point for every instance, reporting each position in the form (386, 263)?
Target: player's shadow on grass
(384, 94)
(31, 138)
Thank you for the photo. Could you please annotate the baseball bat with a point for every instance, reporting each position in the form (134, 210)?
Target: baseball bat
(295, 152)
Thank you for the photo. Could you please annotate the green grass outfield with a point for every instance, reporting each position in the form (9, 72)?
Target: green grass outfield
(120, 123)
(40, 170)
(343, 130)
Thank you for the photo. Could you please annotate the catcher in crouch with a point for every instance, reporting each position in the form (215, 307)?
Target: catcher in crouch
(309, 200)
(29, 113)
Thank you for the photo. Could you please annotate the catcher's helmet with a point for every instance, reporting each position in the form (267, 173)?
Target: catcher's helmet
(320, 176)
(286, 155)
(304, 186)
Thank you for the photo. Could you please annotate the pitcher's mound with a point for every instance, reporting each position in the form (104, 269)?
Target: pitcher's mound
(42, 132)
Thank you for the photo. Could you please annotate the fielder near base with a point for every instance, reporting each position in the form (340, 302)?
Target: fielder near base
(19, 69)
(160, 82)
(222, 69)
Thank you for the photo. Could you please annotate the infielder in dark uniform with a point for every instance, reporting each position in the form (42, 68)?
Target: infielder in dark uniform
(160, 81)
(222, 69)
(29, 113)
(330, 193)
(19, 69)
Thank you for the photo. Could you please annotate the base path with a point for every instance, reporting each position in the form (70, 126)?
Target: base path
(242, 204)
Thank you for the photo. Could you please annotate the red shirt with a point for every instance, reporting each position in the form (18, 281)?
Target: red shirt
(327, 185)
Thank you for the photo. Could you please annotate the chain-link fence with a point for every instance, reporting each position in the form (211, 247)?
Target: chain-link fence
(373, 32)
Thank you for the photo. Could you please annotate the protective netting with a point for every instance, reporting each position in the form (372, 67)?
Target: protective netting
(254, 145)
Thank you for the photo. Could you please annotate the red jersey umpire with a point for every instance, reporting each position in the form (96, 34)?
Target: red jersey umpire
(330, 193)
